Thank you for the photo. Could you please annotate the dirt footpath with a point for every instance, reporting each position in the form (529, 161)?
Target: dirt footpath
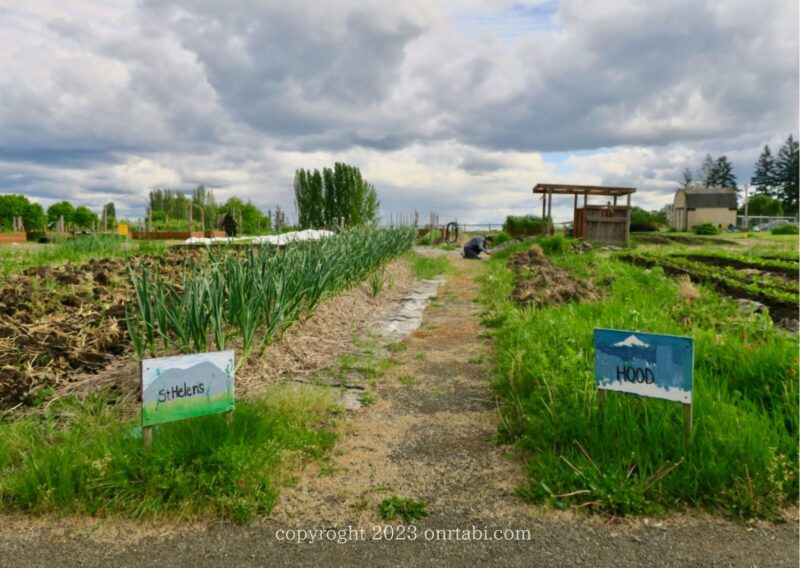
(429, 435)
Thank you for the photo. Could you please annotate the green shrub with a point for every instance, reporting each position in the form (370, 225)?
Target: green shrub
(785, 230)
(643, 228)
(555, 245)
(429, 238)
(523, 225)
(501, 237)
(706, 229)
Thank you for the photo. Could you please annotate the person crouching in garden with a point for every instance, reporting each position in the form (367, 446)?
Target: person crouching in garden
(475, 246)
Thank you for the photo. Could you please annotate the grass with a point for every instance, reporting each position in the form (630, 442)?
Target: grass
(426, 267)
(77, 249)
(81, 458)
(406, 508)
(407, 380)
(742, 458)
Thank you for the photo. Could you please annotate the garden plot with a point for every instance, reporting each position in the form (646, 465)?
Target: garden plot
(63, 324)
(58, 322)
(539, 283)
(741, 459)
(771, 282)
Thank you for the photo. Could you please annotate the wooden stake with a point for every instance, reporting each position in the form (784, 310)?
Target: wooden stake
(147, 437)
(687, 422)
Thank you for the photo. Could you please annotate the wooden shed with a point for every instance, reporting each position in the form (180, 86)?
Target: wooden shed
(606, 224)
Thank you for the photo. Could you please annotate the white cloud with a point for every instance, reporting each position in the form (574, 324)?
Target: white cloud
(456, 106)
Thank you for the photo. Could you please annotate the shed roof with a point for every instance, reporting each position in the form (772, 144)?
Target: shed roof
(569, 189)
(699, 189)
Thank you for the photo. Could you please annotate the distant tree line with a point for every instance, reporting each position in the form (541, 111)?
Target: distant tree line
(712, 173)
(169, 210)
(774, 180)
(338, 195)
(35, 218)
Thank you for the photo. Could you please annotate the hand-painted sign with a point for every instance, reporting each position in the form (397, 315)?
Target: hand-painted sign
(174, 388)
(647, 364)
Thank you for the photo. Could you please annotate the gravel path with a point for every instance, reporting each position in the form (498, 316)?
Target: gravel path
(428, 435)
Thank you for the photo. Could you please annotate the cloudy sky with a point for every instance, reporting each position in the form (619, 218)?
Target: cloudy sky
(454, 106)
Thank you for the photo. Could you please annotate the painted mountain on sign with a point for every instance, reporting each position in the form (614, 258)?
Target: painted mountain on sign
(631, 341)
(631, 348)
(214, 379)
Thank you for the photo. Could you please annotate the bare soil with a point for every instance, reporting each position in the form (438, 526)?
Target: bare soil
(539, 283)
(429, 435)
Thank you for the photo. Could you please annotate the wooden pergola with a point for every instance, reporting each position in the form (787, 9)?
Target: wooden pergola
(609, 223)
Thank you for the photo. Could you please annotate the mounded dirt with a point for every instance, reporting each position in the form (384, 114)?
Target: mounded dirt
(539, 283)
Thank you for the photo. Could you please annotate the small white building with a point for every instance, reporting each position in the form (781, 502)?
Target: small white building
(698, 204)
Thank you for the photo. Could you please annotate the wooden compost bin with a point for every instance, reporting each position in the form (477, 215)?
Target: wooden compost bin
(608, 224)
(10, 238)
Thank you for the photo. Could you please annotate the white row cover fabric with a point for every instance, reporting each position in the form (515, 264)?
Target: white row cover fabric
(276, 240)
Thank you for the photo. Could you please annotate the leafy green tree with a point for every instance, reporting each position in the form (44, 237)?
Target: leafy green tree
(762, 204)
(84, 218)
(309, 198)
(203, 199)
(111, 214)
(763, 179)
(786, 170)
(12, 206)
(34, 217)
(253, 221)
(58, 210)
(337, 195)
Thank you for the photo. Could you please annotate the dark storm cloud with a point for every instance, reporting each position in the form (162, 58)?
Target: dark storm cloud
(296, 70)
(646, 73)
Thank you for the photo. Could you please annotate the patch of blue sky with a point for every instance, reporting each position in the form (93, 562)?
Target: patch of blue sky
(558, 160)
(511, 22)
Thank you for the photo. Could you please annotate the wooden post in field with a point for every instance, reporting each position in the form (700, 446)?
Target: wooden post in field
(544, 211)
(601, 407)
(147, 431)
(687, 422)
(190, 218)
(147, 437)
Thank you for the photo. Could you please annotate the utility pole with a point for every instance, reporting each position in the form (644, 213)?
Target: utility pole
(746, 204)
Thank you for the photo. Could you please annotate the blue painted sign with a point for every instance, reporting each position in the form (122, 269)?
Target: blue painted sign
(647, 364)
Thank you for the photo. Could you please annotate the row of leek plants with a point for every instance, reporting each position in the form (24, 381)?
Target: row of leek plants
(251, 295)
